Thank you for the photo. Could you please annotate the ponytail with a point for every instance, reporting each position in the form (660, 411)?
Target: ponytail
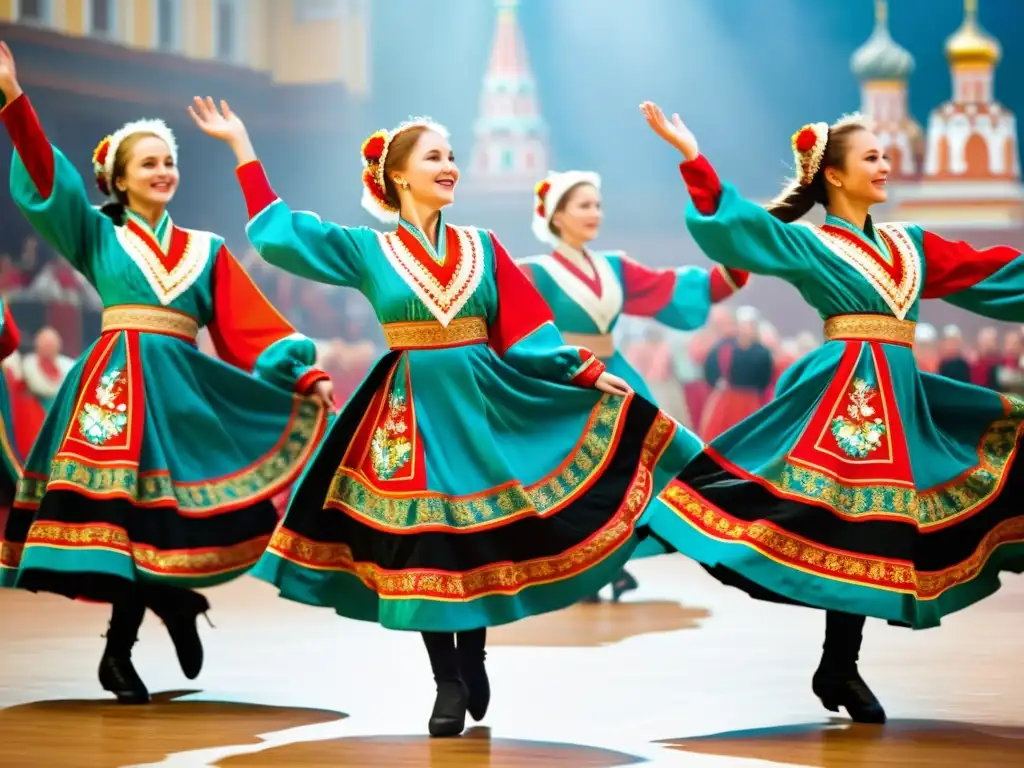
(115, 210)
(796, 200)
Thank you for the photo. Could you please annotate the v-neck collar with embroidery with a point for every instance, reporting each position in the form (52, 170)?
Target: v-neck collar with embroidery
(884, 255)
(581, 264)
(170, 258)
(443, 278)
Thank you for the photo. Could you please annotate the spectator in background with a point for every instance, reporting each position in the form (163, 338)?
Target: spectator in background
(926, 350)
(1009, 374)
(987, 358)
(953, 363)
(44, 369)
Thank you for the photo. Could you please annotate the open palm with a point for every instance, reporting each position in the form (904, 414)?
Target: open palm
(675, 132)
(8, 72)
(220, 123)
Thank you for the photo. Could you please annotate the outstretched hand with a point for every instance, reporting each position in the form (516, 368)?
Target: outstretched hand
(675, 133)
(219, 123)
(8, 74)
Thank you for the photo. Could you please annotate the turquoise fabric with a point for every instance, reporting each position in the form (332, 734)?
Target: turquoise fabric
(960, 439)
(687, 310)
(501, 437)
(213, 437)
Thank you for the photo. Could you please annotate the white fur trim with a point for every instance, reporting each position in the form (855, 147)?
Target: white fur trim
(158, 128)
(560, 184)
(372, 206)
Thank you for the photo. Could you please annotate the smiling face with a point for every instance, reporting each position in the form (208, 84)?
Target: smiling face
(863, 172)
(429, 174)
(577, 219)
(145, 175)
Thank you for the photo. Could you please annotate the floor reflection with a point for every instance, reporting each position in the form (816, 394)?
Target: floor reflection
(105, 734)
(841, 744)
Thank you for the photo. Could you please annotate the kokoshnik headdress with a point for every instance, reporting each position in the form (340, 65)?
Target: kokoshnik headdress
(549, 193)
(809, 145)
(375, 154)
(105, 152)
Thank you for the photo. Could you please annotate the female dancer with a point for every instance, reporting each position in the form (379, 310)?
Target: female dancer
(588, 291)
(11, 462)
(478, 475)
(865, 487)
(155, 466)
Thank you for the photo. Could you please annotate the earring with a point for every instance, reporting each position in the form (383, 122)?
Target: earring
(405, 185)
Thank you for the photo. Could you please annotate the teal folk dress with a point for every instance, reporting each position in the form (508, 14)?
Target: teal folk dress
(865, 486)
(589, 291)
(11, 461)
(475, 477)
(156, 462)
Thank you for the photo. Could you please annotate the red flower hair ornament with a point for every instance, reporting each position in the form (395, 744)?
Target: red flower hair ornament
(374, 153)
(105, 152)
(809, 150)
(549, 192)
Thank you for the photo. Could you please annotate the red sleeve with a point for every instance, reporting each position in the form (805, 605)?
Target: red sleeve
(521, 308)
(245, 323)
(590, 371)
(647, 291)
(252, 177)
(725, 282)
(702, 183)
(10, 338)
(29, 139)
(951, 266)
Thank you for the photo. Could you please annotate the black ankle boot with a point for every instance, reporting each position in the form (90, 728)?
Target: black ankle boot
(593, 599)
(449, 715)
(178, 609)
(848, 690)
(837, 681)
(118, 675)
(474, 673)
(623, 583)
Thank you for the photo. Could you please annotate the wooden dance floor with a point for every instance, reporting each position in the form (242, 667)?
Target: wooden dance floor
(688, 673)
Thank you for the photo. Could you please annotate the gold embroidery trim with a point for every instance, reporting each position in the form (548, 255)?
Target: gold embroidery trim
(177, 562)
(881, 328)
(601, 344)
(139, 317)
(429, 334)
(810, 557)
(506, 578)
(259, 480)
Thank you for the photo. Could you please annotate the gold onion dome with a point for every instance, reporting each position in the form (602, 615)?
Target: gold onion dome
(971, 44)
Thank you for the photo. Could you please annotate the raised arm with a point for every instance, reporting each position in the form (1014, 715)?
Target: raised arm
(730, 229)
(524, 334)
(296, 241)
(10, 336)
(988, 282)
(249, 333)
(680, 297)
(44, 185)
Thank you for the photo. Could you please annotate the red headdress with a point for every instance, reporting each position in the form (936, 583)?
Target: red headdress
(808, 151)
(105, 152)
(374, 154)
